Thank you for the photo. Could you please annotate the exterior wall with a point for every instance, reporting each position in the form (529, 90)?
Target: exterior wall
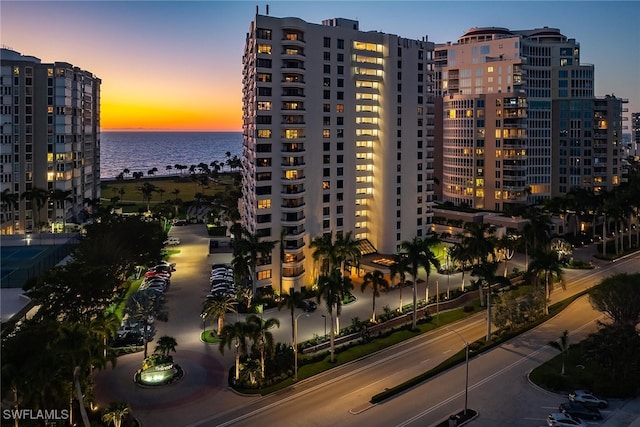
(50, 140)
(535, 149)
(343, 142)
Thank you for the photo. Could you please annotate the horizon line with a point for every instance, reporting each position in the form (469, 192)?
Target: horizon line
(165, 130)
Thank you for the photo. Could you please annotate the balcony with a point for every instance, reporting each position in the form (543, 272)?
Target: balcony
(292, 162)
(297, 189)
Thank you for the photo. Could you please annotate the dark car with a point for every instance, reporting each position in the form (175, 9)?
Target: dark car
(307, 305)
(579, 410)
(588, 399)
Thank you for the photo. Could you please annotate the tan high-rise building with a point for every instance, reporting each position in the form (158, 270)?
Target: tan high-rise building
(518, 112)
(338, 138)
(49, 140)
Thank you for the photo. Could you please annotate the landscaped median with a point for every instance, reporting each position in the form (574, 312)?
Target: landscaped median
(475, 348)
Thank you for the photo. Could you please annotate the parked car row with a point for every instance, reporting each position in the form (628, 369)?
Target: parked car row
(582, 405)
(130, 333)
(221, 280)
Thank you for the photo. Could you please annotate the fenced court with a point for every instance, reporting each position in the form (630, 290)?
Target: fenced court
(21, 263)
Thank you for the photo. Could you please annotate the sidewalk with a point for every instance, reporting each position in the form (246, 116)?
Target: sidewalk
(627, 415)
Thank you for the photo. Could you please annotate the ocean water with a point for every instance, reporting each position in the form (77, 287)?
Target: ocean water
(141, 151)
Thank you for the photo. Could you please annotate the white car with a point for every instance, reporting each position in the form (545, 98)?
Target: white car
(587, 399)
(172, 241)
(562, 420)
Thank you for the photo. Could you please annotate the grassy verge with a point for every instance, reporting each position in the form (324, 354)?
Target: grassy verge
(477, 347)
(187, 188)
(310, 365)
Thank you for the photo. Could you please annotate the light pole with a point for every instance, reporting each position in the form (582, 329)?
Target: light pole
(466, 380)
(203, 321)
(295, 345)
(325, 326)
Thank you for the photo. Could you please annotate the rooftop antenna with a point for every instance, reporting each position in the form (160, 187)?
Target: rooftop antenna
(267, 10)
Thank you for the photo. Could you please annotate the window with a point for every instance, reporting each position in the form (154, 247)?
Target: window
(266, 189)
(326, 172)
(264, 105)
(326, 94)
(327, 42)
(339, 108)
(326, 108)
(340, 44)
(264, 133)
(264, 91)
(326, 82)
(266, 274)
(340, 69)
(263, 63)
(326, 133)
(263, 33)
(327, 56)
(264, 48)
(341, 57)
(264, 77)
(264, 204)
(326, 68)
(340, 95)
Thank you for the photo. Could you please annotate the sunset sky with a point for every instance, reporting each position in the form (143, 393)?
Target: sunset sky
(177, 65)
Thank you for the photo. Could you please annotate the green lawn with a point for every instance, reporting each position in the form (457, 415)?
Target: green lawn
(187, 188)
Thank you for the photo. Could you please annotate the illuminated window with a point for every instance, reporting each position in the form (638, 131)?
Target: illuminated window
(264, 204)
(326, 133)
(264, 133)
(264, 48)
(326, 185)
(339, 108)
(266, 274)
(489, 69)
(264, 105)
(372, 47)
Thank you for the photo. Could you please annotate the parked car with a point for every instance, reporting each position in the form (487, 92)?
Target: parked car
(163, 263)
(588, 399)
(308, 305)
(579, 410)
(172, 241)
(179, 222)
(561, 420)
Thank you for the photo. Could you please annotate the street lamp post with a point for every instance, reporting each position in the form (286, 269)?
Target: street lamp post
(203, 321)
(295, 345)
(466, 380)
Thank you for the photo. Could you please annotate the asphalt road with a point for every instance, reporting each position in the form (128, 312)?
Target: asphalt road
(497, 382)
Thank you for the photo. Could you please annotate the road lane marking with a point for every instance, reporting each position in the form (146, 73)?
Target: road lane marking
(484, 380)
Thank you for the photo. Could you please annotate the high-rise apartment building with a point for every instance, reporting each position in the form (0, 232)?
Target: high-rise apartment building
(635, 133)
(520, 122)
(49, 140)
(337, 138)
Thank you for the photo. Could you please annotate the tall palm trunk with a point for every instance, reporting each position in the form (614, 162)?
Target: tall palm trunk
(332, 338)
(237, 345)
(83, 410)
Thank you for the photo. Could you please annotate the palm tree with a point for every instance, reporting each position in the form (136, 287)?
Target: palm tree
(39, 197)
(486, 272)
(283, 234)
(249, 245)
(143, 306)
(478, 240)
(262, 337)
(332, 289)
(115, 413)
(104, 327)
(147, 189)
(546, 267)
(463, 255)
(400, 267)
(235, 335)
(414, 250)
(165, 345)
(347, 250)
(217, 306)
(537, 232)
(376, 280)
(430, 259)
(324, 252)
(506, 245)
(562, 345)
(291, 300)
(74, 344)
